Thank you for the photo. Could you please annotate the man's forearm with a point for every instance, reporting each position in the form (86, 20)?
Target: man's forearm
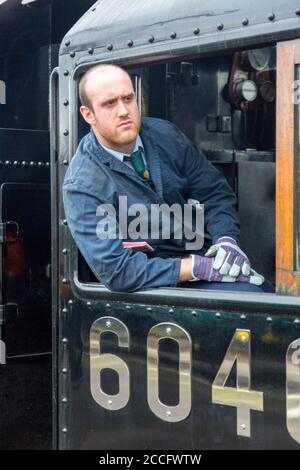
(185, 270)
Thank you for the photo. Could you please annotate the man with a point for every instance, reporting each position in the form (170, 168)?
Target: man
(150, 162)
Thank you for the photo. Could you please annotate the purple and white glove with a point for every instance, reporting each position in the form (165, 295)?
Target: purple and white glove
(229, 258)
(203, 270)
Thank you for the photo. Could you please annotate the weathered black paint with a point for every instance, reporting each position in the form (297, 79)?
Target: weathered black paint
(27, 55)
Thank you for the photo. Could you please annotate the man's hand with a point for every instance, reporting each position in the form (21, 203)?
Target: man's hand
(229, 258)
(203, 270)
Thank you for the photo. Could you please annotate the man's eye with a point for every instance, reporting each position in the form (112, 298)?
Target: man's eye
(128, 98)
(109, 103)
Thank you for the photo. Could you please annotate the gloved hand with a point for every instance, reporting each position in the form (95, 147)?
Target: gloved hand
(203, 270)
(229, 258)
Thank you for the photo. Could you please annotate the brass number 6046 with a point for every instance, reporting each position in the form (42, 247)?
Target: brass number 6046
(239, 352)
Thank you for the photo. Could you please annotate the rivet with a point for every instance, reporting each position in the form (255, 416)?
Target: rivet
(269, 319)
(47, 163)
(173, 35)
(297, 12)
(91, 50)
(64, 430)
(24, 164)
(40, 164)
(108, 323)
(65, 370)
(244, 427)
(168, 413)
(171, 310)
(109, 402)
(65, 280)
(70, 302)
(130, 43)
(297, 321)
(16, 163)
(271, 16)
(64, 222)
(7, 163)
(218, 315)
(149, 309)
(196, 31)
(243, 317)
(64, 340)
(220, 26)
(67, 43)
(64, 311)
(66, 132)
(107, 305)
(64, 400)
(128, 307)
(65, 162)
(89, 304)
(110, 47)
(245, 22)
(66, 102)
(66, 73)
(244, 339)
(64, 251)
(169, 330)
(151, 39)
(32, 164)
(72, 54)
(194, 313)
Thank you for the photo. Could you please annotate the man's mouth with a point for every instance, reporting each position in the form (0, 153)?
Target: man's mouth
(125, 124)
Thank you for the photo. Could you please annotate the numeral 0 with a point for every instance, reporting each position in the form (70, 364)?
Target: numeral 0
(178, 334)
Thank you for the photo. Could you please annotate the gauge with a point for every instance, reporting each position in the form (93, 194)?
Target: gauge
(246, 90)
(259, 58)
(267, 91)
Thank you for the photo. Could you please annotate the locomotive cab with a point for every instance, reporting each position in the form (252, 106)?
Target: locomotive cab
(228, 80)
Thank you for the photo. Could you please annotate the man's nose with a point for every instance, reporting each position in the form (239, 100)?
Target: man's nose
(122, 109)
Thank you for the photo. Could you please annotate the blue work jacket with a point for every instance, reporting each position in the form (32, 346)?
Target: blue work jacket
(178, 171)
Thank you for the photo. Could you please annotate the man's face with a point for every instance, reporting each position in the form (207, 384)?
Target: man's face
(114, 116)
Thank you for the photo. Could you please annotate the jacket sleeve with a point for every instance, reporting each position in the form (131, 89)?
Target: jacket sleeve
(207, 185)
(119, 269)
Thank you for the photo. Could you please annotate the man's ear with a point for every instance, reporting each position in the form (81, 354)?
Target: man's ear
(87, 114)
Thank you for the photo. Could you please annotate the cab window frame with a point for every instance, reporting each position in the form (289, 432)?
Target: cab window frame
(86, 288)
(287, 161)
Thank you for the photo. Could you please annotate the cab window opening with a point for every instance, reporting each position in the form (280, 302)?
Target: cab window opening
(225, 105)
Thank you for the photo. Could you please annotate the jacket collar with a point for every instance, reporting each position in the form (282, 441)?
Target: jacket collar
(152, 157)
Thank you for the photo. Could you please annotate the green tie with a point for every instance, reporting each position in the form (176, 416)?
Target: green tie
(136, 159)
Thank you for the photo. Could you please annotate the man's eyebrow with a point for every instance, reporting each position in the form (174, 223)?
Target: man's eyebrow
(114, 98)
(108, 100)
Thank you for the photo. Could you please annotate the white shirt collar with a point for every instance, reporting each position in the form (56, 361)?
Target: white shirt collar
(120, 155)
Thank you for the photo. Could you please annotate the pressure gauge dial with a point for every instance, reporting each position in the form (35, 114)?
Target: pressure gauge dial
(246, 90)
(267, 91)
(259, 59)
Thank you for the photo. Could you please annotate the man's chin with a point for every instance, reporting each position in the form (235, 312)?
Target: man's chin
(127, 137)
